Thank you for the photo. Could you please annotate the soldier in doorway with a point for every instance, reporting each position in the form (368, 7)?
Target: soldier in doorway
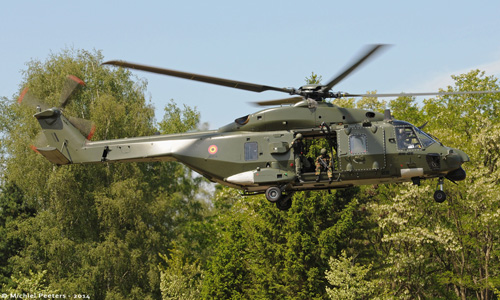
(299, 151)
(323, 162)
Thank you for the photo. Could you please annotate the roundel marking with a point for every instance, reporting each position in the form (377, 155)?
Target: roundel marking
(212, 149)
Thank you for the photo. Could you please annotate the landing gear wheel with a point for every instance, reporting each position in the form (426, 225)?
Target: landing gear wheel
(439, 196)
(273, 194)
(284, 203)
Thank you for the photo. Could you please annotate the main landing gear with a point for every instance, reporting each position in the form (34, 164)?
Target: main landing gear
(439, 194)
(283, 201)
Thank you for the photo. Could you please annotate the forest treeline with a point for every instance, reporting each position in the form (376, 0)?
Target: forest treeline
(158, 231)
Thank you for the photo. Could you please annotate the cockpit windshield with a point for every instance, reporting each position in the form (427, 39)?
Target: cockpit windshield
(425, 138)
(410, 137)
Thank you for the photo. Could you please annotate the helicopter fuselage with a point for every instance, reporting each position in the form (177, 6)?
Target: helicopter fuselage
(253, 153)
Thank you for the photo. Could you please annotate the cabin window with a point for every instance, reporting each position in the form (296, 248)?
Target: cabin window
(251, 151)
(407, 139)
(357, 143)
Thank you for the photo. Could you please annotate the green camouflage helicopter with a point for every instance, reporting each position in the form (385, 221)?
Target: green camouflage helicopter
(258, 153)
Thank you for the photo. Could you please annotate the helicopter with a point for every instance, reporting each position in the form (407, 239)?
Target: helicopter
(255, 152)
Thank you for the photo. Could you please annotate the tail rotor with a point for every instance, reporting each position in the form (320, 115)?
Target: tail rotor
(86, 127)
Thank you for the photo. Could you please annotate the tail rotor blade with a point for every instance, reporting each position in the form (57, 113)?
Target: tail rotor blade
(72, 82)
(39, 142)
(26, 98)
(86, 127)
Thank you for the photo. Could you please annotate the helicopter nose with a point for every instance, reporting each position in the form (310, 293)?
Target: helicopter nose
(463, 156)
(456, 157)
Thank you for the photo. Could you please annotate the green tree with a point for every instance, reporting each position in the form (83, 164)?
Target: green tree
(181, 280)
(348, 279)
(406, 109)
(371, 103)
(449, 250)
(97, 229)
(33, 284)
(12, 207)
(265, 253)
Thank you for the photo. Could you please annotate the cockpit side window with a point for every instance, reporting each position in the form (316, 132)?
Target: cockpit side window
(407, 138)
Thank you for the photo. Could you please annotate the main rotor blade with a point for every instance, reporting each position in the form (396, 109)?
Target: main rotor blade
(342, 95)
(291, 100)
(197, 77)
(369, 52)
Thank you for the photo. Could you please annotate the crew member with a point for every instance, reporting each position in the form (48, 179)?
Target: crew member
(323, 162)
(300, 160)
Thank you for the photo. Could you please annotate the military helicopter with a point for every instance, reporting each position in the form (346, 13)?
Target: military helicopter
(255, 152)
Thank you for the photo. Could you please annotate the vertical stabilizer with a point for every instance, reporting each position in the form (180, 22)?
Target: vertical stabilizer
(63, 138)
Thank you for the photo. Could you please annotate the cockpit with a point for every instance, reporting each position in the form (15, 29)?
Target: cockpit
(409, 137)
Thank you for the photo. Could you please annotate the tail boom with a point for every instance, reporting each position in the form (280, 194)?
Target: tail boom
(66, 145)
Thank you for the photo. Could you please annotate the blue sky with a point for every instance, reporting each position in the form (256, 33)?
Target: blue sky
(276, 43)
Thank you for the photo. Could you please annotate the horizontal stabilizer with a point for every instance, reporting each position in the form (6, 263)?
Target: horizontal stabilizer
(53, 155)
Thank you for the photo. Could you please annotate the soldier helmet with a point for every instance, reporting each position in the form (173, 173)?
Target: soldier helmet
(323, 151)
(298, 136)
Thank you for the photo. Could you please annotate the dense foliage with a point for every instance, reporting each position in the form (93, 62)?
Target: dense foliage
(90, 229)
(157, 231)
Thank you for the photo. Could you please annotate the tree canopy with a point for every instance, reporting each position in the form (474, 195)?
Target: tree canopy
(91, 229)
(159, 231)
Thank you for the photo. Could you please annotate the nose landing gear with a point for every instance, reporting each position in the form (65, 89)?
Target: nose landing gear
(439, 194)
